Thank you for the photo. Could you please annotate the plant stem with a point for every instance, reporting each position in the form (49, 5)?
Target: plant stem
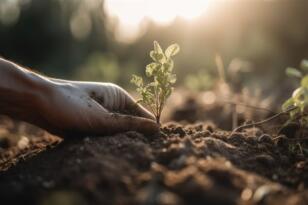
(249, 106)
(263, 121)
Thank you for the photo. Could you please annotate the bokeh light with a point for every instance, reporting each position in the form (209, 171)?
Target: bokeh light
(130, 14)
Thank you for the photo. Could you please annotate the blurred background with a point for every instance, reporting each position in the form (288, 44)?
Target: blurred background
(230, 70)
(232, 51)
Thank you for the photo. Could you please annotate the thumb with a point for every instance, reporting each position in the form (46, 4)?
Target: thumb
(137, 109)
(115, 123)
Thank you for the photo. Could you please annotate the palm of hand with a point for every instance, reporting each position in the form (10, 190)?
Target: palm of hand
(94, 108)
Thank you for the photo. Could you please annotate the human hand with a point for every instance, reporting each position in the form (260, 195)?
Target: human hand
(89, 108)
(69, 107)
(113, 98)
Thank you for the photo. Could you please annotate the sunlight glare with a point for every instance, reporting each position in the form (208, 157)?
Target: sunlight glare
(130, 13)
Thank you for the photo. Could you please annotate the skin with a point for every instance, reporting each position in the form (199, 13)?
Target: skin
(70, 108)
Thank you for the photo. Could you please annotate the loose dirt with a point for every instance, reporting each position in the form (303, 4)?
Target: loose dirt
(192, 164)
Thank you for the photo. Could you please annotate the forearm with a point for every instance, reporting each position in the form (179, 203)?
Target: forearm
(20, 89)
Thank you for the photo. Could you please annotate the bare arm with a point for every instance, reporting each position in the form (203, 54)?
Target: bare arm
(20, 89)
(66, 108)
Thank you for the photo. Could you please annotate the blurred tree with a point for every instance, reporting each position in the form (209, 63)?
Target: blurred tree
(60, 37)
(99, 67)
(53, 36)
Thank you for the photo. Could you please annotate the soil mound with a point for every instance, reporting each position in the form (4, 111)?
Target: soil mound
(193, 164)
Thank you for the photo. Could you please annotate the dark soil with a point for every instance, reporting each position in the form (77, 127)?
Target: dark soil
(193, 164)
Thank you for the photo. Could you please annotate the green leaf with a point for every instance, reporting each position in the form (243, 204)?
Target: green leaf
(137, 80)
(172, 50)
(287, 104)
(157, 48)
(152, 55)
(304, 65)
(140, 90)
(293, 113)
(157, 57)
(172, 78)
(304, 81)
(297, 93)
(150, 68)
(160, 57)
(293, 72)
(155, 93)
(168, 92)
(152, 84)
(169, 65)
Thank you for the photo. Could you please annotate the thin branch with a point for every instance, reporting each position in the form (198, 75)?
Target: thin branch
(298, 139)
(234, 116)
(300, 148)
(250, 106)
(263, 121)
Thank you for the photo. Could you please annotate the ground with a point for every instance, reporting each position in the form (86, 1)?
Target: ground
(187, 163)
(191, 164)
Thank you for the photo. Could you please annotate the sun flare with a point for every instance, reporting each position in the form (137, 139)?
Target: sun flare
(130, 13)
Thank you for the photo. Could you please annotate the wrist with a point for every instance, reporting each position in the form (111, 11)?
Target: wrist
(20, 89)
(14, 78)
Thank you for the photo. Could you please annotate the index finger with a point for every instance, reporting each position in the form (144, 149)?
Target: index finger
(137, 109)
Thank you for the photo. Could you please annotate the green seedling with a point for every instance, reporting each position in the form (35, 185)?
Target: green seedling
(155, 94)
(299, 99)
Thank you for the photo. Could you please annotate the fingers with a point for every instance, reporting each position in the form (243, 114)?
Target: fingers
(128, 104)
(115, 123)
(114, 98)
(137, 109)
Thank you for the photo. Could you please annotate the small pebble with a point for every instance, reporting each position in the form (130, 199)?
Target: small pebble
(264, 191)
(199, 127)
(180, 131)
(275, 177)
(201, 134)
(265, 159)
(23, 142)
(246, 194)
(251, 140)
(236, 138)
(168, 198)
(265, 138)
(210, 128)
(281, 141)
(87, 139)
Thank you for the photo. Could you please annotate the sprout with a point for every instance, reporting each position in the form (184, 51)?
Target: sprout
(299, 99)
(155, 94)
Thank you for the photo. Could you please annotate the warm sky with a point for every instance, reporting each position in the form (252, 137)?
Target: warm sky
(130, 13)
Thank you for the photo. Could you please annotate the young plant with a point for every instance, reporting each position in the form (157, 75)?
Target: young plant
(296, 105)
(155, 94)
(298, 102)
